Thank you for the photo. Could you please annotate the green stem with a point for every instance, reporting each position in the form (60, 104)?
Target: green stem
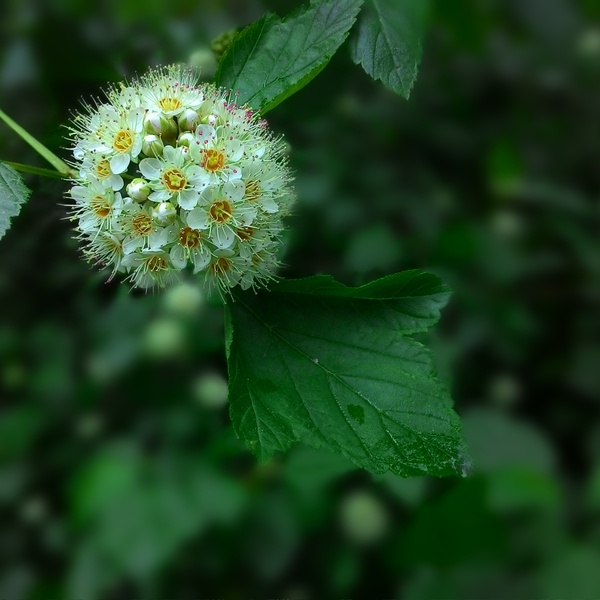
(61, 166)
(34, 170)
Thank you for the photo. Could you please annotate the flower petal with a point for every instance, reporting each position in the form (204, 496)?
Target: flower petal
(234, 189)
(188, 199)
(178, 257)
(160, 196)
(245, 214)
(205, 134)
(201, 258)
(197, 218)
(235, 150)
(119, 163)
(150, 168)
(130, 244)
(222, 237)
(269, 205)
(173, 156)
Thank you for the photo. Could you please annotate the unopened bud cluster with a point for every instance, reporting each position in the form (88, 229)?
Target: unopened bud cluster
(173, 174)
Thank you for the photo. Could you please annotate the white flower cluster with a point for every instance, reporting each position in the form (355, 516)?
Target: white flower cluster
(173, 173)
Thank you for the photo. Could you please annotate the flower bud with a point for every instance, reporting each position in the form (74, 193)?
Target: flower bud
(164, 213)
(188, 120)
(138, 189)
(152, 145)
(157, 123)
(186, 139)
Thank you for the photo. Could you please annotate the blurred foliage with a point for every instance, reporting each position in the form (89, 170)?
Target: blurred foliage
(120, 475)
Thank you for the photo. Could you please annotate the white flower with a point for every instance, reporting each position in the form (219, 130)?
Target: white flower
(222, 212)
(225, 270)
(218, 152)
(171, 93)
(172, 174)
(172, 178)
(115, 132)
(96, 207)
(98, 166)
(264, 185)
(263, 264)
(140, 230)
(106, 249)
(149, 268)
(191, 245)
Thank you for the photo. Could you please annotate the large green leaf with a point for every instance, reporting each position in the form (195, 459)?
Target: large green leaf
(334, 367)
(388, 41)
(13, 193)
(273, 58)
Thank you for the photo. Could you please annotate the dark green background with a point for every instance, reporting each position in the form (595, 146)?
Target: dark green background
(120, 476)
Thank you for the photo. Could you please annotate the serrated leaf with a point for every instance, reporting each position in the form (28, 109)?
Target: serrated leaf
(272, 59)
(13, 194)
(387, 43)
(333, 367)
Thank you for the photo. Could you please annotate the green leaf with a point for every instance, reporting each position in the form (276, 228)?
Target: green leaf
(13, 193)
(317, 362)
(388, 42)
(272, 59)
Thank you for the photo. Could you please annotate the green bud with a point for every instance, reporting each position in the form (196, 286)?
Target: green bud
(138, 189)
(188, 120)
(152, 145)
(186, 139)
(159, 124)
(164, 213)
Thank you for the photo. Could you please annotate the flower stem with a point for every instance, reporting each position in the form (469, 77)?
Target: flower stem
(61, 166)
(34, 170)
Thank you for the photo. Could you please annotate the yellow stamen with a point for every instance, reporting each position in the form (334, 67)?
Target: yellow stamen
(174, 180)
(123, 141)
(189, 238)
(220, 211)
(212, 160)
(142, 224)
(168, 104)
